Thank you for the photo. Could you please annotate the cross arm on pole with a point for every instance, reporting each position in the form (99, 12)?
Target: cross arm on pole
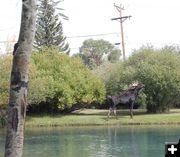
(121, 18)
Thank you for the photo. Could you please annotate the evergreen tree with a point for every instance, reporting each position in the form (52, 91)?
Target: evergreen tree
(49, 30)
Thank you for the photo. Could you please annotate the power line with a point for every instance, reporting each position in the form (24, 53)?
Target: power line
(93, 35)
(81, 36)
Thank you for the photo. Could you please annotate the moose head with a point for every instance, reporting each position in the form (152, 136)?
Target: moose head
(136, 86)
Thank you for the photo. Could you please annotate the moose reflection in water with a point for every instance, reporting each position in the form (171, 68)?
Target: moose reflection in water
(126, 98)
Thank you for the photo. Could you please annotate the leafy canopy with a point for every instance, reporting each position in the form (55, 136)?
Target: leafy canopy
(94, 52)
(157, 69)
(55, 79)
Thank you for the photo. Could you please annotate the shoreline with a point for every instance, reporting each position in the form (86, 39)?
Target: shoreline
(105, 125)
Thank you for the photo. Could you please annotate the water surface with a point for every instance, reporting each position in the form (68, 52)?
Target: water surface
(133, 141)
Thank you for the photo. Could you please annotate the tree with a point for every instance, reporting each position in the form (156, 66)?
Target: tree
(93, 52)
(56, 82)
(159, 70)
(114, 56)
(49, 29)
(63, 80)
(19, 81)
(116, 76)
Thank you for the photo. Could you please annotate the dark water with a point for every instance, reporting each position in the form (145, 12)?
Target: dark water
(132, 141)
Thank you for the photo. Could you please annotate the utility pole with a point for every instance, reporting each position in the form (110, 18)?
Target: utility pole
(121, 19)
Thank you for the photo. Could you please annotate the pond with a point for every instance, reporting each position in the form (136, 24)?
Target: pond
(134, 141)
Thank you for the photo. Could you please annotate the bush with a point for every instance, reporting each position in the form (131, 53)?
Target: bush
(159, 70)
(116, 76)
(63, 80)
(3, 118)
(5, 66)
(55, 79)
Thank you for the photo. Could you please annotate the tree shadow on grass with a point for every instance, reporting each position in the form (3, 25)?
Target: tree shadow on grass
(95, 113)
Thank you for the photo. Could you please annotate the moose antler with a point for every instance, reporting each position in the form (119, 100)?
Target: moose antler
(134, 84)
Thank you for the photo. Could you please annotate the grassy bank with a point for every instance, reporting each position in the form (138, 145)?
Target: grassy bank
(89, 117)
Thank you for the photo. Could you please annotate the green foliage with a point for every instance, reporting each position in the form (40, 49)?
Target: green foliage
(49, 29)
(57, 79)
(5, 66)
(93, 52)
(114, 56)
(117, 77)
(157, 69)
(142, 100)
(64, 80)
(3, 118)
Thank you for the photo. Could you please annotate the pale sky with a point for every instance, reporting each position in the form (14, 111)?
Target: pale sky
(153, 22)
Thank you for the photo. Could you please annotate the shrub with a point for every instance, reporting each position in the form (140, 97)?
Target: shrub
(159, 70)
(5, 66)
(63, 80)
(55, 79)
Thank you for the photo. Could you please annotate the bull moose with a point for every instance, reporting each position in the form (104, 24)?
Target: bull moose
(127, 98)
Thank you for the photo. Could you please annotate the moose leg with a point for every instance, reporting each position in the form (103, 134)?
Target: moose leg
(115, 112)
(109, 112)
(131, 109)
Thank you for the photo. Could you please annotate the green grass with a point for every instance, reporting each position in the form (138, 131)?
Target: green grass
(90, 117)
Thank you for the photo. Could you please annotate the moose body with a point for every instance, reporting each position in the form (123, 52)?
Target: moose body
(127, 98)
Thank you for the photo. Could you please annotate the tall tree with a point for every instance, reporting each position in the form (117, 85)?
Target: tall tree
(49, 29)
(93, 52)
(19, 81)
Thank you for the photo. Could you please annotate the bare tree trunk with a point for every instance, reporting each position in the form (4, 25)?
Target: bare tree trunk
(19, 81)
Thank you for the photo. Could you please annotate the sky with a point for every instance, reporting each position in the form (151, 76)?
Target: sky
(153, 22)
